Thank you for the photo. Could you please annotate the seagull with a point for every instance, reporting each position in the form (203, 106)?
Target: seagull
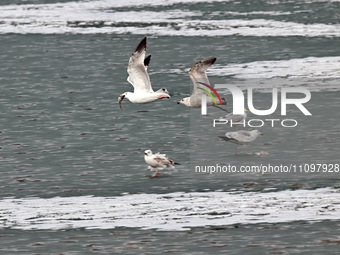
(158, 161)
(234, 119)
(139, 78)
(199, 78)
(241, 137)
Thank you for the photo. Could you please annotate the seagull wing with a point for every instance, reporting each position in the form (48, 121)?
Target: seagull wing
(235, 117)
(147, 62)
(197, 73)
(137, 69)
(160, 158)
(241, 136)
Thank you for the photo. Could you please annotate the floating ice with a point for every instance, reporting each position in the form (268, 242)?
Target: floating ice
(172, 211)
(102, 16)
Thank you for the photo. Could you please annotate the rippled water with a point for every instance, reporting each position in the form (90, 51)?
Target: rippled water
(74, 180)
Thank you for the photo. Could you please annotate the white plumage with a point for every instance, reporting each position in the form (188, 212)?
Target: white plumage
(158, 161)
(140, 80)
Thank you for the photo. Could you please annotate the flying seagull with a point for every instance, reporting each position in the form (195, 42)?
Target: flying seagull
(139, 78)
(158, 161)
(199, 78)
(241, 137)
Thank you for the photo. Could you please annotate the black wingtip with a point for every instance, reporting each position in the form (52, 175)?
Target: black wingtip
(141, 45)
(210, 60)
(177, 163)
(147, 60)
(203, 64)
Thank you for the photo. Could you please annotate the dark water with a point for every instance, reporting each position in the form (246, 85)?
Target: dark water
(245, 239)
(62, 133)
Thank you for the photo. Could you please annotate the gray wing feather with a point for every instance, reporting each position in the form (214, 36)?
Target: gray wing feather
(234, 117)
(197, 73)
(244, 133)
(163, 160)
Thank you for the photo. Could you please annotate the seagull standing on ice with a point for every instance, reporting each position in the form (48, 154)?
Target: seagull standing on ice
(198, 76)
(140, 80)
(241, 137)
(158, 161)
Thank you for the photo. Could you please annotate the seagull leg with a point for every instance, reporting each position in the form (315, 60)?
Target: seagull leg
(247, 153)
(155, 175)
(236, 149)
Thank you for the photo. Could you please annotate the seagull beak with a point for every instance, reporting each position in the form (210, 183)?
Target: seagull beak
(161, 97)
(120, 99)
(178, 102)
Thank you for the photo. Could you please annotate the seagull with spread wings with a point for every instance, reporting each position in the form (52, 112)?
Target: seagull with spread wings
(140, 80)
(199, 78)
